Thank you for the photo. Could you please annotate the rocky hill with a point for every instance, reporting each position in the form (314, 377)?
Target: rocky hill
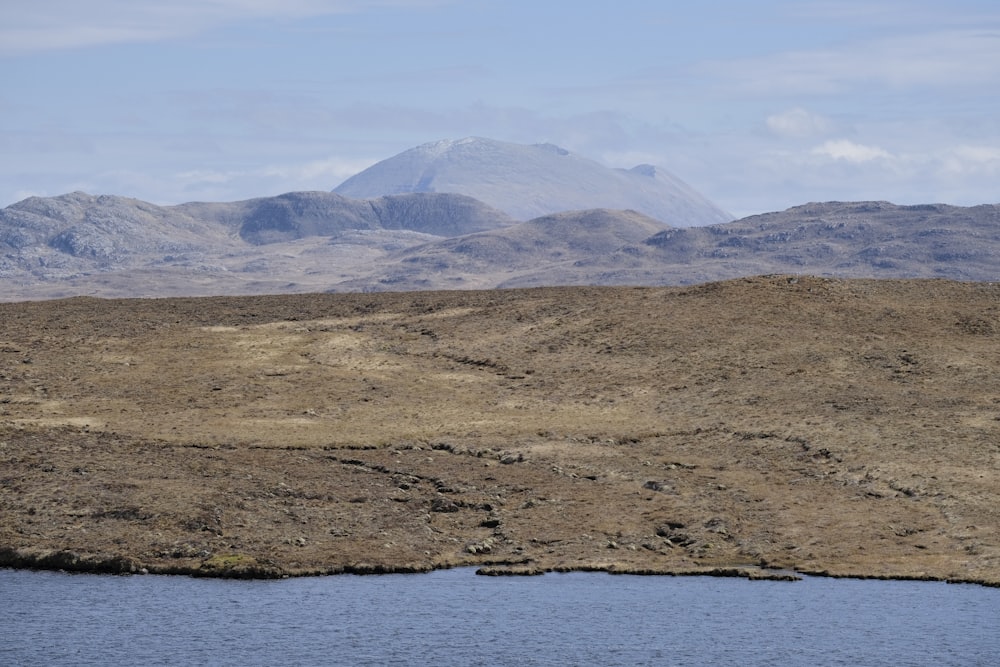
(855, 239)
(314, 241)
(51, 246)
(528, 181)
(848, 239)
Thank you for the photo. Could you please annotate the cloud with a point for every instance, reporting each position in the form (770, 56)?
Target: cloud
(798, 123)
(979, 154)
(961, 57)
(882, 13)
(327, 173)
(43, 25)
(205, 176)
(221, 184)
(966, 160)
(849, 151)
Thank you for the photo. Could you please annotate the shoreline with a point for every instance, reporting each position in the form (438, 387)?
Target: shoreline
(67, 561)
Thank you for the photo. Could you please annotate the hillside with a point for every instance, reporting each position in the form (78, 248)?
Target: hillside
(530, 181)
(553, 245)
(760, 427)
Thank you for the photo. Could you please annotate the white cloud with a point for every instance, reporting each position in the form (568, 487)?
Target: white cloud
(42, 25)
(979, 154)
(949, 58)
(883, 13)
(273, 179)
(964, 160)
(849, 151)
(205, 176)
(798, 123)
(323, 174)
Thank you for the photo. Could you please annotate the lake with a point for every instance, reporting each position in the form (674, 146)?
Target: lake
(454, 617)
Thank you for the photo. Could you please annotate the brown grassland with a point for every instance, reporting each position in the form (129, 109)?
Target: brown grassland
(754, 427)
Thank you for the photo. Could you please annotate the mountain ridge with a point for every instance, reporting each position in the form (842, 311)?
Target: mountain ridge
(51, 238)
(317, 241)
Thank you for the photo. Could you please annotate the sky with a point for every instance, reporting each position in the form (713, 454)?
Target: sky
(758, 105)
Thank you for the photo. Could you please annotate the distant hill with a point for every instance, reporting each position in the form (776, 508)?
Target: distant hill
(528, 181)
(553, 246)
(77, 235)
(845, 239)
(297, 215)
(855, 239)
(314, 241)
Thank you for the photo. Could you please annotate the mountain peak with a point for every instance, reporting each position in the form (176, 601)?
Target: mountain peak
(530, 180)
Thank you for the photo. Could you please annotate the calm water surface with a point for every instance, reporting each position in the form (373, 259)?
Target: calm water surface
(457, 618)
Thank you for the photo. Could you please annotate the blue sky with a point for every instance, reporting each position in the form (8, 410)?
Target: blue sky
(759, 105)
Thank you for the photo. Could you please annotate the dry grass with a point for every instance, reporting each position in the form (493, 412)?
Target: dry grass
(849, 427)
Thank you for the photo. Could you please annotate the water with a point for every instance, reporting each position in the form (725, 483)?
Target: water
(457, 618)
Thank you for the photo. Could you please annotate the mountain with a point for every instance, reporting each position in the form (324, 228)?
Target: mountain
(297, 215)
(315, 241)
(77, 235)
(105, 226)
(528, 181)
(845, 239)
(837, 239)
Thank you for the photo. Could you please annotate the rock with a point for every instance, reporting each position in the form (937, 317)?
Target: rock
(673, 536)
(484, 547)
(717, 525)
(653, 485)
(441, 504)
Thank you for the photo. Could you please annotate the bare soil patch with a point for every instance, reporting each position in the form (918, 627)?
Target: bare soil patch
(754, 426)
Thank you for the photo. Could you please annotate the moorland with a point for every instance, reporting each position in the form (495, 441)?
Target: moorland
(760, 426)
